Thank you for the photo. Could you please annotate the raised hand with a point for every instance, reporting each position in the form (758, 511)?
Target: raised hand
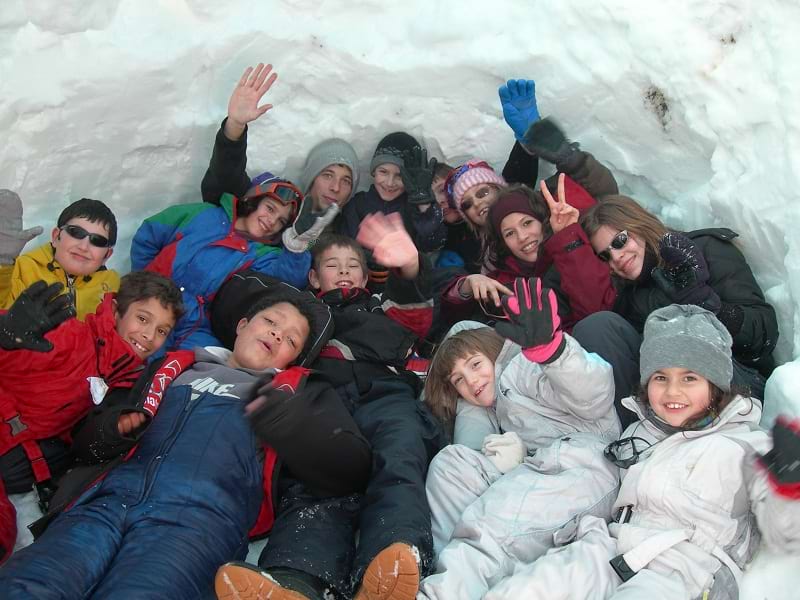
(545, 139)
(562, 214)
(533, 321)
(518, 99)
(684, 275)
(243, 105)
(783, 461)
(417, 173)
(308, 226)
(36, 311)
(12, 236)
(483, 288)
(389, 242)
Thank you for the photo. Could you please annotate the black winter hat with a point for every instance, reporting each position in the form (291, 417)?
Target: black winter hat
(395, 148)
(243, 290)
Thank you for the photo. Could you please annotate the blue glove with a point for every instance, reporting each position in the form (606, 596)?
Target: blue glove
(518, 99)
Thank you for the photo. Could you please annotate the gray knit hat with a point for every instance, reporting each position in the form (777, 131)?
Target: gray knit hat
(333, 151)
(689, 337)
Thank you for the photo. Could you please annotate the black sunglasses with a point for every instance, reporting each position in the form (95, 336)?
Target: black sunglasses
(618, 243)
(625, 453)
(78, 232)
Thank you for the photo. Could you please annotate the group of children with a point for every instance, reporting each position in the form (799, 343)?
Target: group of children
(167, 418)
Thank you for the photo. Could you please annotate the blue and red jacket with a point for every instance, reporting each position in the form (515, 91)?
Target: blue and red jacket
(197, 246)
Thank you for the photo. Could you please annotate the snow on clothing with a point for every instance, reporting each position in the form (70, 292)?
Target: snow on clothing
(197, 246)
(745, 313)
(684, 519)
(567, 263)
(163, 521)
(486, 524)
(364, 363)
(86, 291)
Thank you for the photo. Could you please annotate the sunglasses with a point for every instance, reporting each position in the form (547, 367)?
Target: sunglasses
(452, 178)
(77, 232)
(618, 243)
(625, 453)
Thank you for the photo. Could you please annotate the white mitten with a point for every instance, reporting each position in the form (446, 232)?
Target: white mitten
(506, 451)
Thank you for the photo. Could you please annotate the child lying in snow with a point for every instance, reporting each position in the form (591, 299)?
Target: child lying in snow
(698, 469)
(530, 432)
(160, 523)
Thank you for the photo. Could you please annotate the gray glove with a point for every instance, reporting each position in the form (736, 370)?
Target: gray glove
(12, 237)
(307, 227)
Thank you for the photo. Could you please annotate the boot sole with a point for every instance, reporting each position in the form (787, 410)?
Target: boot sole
(239, 582)
(392, 575)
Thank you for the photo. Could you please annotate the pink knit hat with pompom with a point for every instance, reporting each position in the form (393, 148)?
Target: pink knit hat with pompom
(471, 173)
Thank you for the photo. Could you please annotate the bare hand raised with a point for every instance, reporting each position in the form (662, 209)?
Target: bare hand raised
(389, 241)
(243, 105)
(562, 214)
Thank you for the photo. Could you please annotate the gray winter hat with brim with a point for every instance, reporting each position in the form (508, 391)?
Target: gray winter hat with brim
(688, 337)
(333, 151)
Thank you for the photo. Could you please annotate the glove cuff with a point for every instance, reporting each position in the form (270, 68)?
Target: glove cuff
(293, 242)
(547, 353)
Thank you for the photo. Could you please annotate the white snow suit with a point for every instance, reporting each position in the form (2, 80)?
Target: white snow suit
(486, 523)
(683, 520)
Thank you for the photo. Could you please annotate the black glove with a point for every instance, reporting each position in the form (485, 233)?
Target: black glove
(783, 461)
(417, 174)
(36, 311)
(430, 232)
(533, 321)
(684, 276)
(546, 140)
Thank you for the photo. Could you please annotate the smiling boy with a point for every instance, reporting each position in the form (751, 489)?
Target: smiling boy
(80, 244)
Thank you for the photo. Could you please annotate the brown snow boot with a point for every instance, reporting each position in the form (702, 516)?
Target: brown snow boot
(242, 581)
(392, 575)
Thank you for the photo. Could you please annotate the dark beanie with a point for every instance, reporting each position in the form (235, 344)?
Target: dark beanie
(516, 202)
(395, 148)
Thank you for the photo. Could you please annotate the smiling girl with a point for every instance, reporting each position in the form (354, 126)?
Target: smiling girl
(530, 415)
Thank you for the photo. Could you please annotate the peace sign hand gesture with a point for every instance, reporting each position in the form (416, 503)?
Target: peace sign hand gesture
(243, 105)
(562, 214)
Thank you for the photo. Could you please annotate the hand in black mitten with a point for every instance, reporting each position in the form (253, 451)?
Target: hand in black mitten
(783, 461)
(533, 321)
(36, 311)
(431, 233)
(684, 275)
(417, 174)
(546, 140)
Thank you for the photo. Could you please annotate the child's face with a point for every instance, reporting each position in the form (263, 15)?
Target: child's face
(678, 395)
(476, 202)
(334, 184)
(339, 267)
(627, 262)
(80, 256)
(272, 338)
(522, 235)
(449, 215)
(269, 219)
(145, 325)
(388, 182)
(473, 378)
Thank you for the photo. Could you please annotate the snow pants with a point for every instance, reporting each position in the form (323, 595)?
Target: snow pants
(581, 571)
(486, 523)
(614, 339)
(317, 536)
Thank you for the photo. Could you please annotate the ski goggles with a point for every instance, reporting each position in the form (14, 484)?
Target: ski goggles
(282, 191)
(617, 243)
(77, 232)
(625, 453)
(452, 178)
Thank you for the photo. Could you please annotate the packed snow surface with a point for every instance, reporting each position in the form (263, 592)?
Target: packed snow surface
(692, 103)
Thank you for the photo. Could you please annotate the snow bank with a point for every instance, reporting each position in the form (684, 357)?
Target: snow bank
(692, 103)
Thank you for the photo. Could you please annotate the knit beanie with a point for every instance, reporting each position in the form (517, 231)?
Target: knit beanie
(267, 178)
(470, 177)
(395, 148)
(333, 151)
(689, 337)
(516, 202)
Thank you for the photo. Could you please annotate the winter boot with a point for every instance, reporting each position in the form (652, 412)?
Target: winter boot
(241, 581)
(392, 575)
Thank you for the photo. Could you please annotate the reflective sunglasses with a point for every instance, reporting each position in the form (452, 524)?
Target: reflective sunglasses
(617, 243)
(77, 232)
(625, 453)
(452, 178)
